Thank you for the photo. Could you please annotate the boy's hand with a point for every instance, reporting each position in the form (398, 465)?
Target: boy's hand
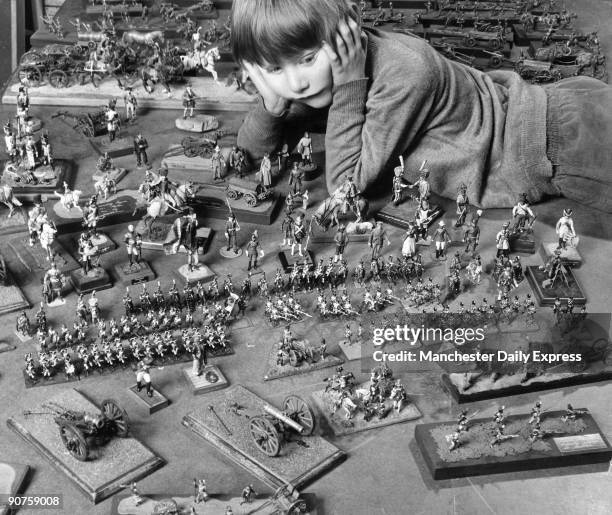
(348, 61)
(273, 103)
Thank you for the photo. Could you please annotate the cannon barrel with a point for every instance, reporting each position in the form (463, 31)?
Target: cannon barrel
(271, 410)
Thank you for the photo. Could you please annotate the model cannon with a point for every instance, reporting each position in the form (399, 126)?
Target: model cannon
(203, 146)
(252, 191)
(81, 431)
(270, 430)
(89, 124)
(298, 351)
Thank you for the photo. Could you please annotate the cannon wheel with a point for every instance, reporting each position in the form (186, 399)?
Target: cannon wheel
(298, 506)
(495, 61)
(31, 75)
(58, 79)
(265, 436)
(496, 43)
(470, 41)
(231, 194)
(74, 441)
(113, 412)
(250, 199)
(293, 358)
(297, 408)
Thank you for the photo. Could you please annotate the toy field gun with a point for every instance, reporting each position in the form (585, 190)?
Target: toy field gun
(81, 431)
(88, 124)
(203, 146)
(270, 430)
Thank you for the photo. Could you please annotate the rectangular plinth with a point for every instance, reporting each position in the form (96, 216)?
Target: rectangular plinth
(152, 404)
(48, 180)
(12, 479)
(122, 460)
(97, 279)
(296, 464)
(136, 273)
(212, 204)
(34, 258)
(116, 148)
(12, 299)
(561, 290)
(210, 379)
(287, 261)
(582, 443)
(400, 216)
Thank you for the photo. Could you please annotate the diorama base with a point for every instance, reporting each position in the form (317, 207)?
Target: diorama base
(296, 464)
(230, 254)
(115, 174)
(209, 380)
(275, 371)
(583, 443)
(56, 303)
(287, 261)
(120, 146)
(570, 255)
(453, 384)
(400, 216)
(340, 426)
(547, 296)
(122, 460)
(23, 338)
(12, 299)
(212, 204)
(201, 274)
(12, 481)
(96, 279)
(136, 273)
(311, 171)
(523, 242)
(151, 404)
(14, 223)
(101, 240)
(49, 179)
(351, 351)
(197, 123)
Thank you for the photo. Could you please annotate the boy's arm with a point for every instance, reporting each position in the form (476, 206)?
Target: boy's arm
(372, 121)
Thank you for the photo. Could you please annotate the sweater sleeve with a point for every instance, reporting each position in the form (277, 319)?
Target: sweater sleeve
(372, 121)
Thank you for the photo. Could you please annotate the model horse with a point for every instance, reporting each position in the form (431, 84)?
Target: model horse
(159, 205)
(205, 59)
(326, 214)
(8, 199)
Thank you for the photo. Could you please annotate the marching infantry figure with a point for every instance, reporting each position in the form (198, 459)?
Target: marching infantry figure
(441, 238)
(287, 229)
(252, 251)
(133, 244)
(565, 230)
(218, 163)
(130, 105)
(502, 239)
(112, 121)
(265, 171)
(231, 227)
(341, 239)
(462, 205)
(143, 375)
(46, 150)
(304, 148)
(471, 237)
(523, 215)
(377, 239)
(299, 231)
(140, 149)
(295, 179)
(189, 101)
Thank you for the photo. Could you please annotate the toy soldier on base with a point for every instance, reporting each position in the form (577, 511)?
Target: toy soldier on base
(304, 148)
(237, 161)
(189, 101)
(130, 105)
(53, 283)
(523, 215)
(218, 163)
(133, 244)
(252, 251)
(565, 230)
(22, 325)
(341, 239)
(143, 376)
(231, 228)
(377, 239)
(265, 171)
(112, 121)
(462, 205)
(422, 183)
(299, 231)
(247, 495)
(441, 238)
(296, 175)
(47, 151)
(471, 237)
(140, 149)
(502, 239)
(185, 230)
(287, 229)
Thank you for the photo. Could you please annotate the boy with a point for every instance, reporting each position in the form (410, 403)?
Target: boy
(386, 95)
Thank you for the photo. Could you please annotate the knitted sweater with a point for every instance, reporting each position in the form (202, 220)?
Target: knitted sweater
(487, 130)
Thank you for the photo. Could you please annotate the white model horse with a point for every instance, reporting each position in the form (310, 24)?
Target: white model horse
(143, 38)
(105, 186)
(47, 237)
(205, 59)
(159, 206)
(8, 199)
(69, 199)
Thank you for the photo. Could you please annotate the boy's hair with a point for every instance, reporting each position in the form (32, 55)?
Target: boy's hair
(273, 31)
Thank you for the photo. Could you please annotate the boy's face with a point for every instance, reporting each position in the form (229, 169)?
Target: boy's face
(307, 78)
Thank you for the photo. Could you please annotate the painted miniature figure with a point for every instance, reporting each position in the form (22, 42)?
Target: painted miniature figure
(47, 151)
(253, 251)
(133, 245)
(304, 148)
(283, 156)
(299, 232)
(140, 149)
(231, 228)
(296, 175)
(503, 242)
(265, 171)
(463, 203)
(377, 238)
(237, 161)
(287, 229)
(341, 239)
(53, 282)
(565, 231)
(23, 326)
(130, 105)
(471, 237)
(523, 215)
(112, 120)
(422, 184)
(185, 230)
(441, 239)
(247, 495)
(189, 101)
(143, 378)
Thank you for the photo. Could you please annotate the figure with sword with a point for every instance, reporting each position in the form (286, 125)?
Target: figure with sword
(422, 183)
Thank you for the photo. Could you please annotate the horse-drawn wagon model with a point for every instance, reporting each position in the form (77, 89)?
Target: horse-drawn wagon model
(81, 431)
(56, 64)
(253, 192)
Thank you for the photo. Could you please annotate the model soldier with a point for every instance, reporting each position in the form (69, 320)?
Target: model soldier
(377, 239)
(231, 228)
(304, 148)
(351, 192)
(237, 161)
(422, 218)
(47, 152)
(201, 492)
(22, 325)
(299, 231)
(523, 215)
(143, 376)
(140, 149)
(133, 244)
(130, 105)
(252, 252)
(185, 231)
(218, 163)
(462, 205)
(87, 251)
(287, 229)
(536, 411)
(471, 237)
(10, 141)
(189, 101)
(398, 395)
(91, 216)
(247, 495)
(53, 282)
(112, 121)
(31, 153)
(423, 184)
(283, 156)
(441, 238)
(503, 243)
(296, 175)
(341, 239)
(128, 303)
(23, 108)
(565, 230)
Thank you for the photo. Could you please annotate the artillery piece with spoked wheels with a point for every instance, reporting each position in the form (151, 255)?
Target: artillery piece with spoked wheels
(203, 146)
(81, 431)
(272, 429)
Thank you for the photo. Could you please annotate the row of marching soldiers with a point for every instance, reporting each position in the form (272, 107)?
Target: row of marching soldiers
(340, 304)
(284, 309)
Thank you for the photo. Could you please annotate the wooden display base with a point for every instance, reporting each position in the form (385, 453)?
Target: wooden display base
(340, 426)
(12, 481)
(35, 258)
(311, 171)
(197, 123)
(49, 180)
(122, 460)
(216, 96)
(209, 380)
(583, 443)
(120, 146)
(115, 174)
(197, 169)
(547, 296)
(202, 274)
(102, 241)
(400, 216)
(351, 352)
(287, 261)
(12, 299)
(136, 273)
(214, 205)
(296, 464)
(523, 242)
(151, 404)
(570, 256)
(15, 223)
(117, 9)
(275, 371)
(96, 279)
(230, 254)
